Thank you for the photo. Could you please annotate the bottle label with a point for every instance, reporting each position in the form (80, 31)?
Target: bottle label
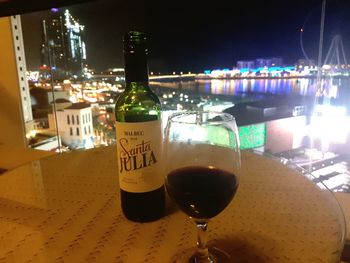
(139, 153)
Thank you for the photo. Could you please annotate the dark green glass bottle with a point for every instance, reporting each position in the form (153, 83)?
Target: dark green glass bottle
(139, 137)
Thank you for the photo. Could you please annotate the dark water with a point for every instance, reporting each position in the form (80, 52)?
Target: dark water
(336, 90)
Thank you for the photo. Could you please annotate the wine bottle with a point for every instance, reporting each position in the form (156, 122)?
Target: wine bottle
(139, 137)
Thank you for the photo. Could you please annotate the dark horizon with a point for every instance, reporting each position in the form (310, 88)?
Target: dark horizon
(194, 37)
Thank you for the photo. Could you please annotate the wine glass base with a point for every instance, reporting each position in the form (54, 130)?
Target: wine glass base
(217, 255)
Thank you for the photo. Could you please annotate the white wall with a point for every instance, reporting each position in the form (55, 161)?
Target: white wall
(84, 124)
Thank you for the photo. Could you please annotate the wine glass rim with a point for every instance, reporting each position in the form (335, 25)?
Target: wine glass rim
(173, 116)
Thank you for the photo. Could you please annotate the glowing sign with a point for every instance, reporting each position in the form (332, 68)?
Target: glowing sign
(243, 70)
(252, 136)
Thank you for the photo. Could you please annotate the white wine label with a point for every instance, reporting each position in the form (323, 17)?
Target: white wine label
(139, 153)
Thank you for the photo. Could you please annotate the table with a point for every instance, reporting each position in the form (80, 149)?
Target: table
(65, 208)
(14, 156)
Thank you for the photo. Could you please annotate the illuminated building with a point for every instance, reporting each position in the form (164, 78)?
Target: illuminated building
(260, 63)
(250, 64)
(75, 125)
(268, 62)
(41, 104)
(63, 48)
(306, 62)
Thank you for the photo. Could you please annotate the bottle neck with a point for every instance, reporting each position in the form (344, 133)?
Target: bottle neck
(136, 68)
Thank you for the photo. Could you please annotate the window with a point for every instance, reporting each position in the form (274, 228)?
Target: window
(85, 130)
(78, 131)
(73, 119)
(247, 81)
(70, 131)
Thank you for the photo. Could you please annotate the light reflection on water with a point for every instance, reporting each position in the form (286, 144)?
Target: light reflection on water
(303, 87)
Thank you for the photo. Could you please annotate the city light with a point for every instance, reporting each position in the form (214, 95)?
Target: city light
(274, 71)
(213, 89)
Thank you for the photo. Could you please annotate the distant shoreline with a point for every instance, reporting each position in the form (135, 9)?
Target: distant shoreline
(205, 77)
(286, 77)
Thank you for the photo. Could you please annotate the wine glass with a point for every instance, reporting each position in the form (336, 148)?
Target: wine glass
(202, 167)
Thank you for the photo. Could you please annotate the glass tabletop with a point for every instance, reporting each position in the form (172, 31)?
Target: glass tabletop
(66, 208)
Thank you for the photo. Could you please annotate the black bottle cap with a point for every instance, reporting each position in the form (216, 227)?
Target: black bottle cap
(135, 41)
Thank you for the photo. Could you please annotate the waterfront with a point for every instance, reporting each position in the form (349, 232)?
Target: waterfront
(251, 100)
(336, 88)
(335, 91)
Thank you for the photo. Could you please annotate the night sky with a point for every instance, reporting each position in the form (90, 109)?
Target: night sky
(197, 35)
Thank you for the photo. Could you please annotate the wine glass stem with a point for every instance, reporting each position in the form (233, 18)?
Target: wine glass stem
(202, 253)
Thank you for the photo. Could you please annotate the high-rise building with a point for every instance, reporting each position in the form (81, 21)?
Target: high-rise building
(268, 62)
(250, 64)
(260, 63)
(63, 48)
